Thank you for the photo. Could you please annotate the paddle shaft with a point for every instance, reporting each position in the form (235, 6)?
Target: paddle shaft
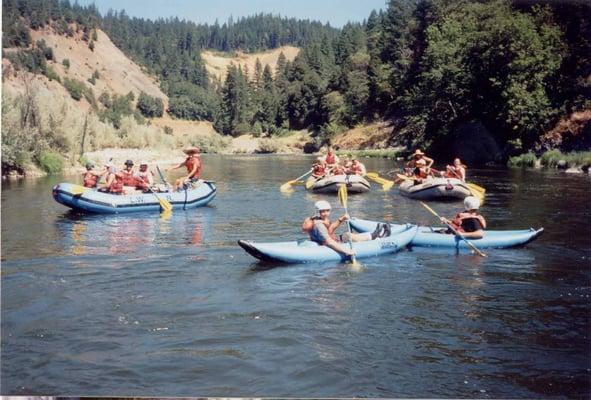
(343, 197)
(480, 253)
(162, 176)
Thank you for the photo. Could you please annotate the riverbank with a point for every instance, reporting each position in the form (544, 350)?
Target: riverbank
(573, 162)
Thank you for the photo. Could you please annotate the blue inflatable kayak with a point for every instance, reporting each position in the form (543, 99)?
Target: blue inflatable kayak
(427, 237)
(303, 251)
(90, 200)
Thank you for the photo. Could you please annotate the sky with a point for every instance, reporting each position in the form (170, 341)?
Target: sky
(335, 12)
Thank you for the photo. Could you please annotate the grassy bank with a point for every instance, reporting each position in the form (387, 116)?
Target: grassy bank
(553, 159)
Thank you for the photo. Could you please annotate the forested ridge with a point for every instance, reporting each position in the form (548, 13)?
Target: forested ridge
(428, 66)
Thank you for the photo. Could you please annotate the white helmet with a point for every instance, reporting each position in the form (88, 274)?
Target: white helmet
(322, 205)
(471, 203)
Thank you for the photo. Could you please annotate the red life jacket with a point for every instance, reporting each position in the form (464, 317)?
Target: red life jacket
(356, 169)
(117, 184)
(190, 164)
(460, 217)
(90, 179)
(330, 158)
(127, 177)
(308, 225)
(318, 170)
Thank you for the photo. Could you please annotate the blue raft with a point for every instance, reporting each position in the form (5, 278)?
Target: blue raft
(427, 237)
(90, 200)
(304, 251)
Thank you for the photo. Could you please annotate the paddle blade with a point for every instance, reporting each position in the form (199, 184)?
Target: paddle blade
(165, 205)
(310, 183)
(286, 187)
(343, 195)
(78, 190)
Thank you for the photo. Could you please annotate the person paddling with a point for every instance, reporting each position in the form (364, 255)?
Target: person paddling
(470, 223)
(114, 181)
(127, 174)
(144, 177)
(322, 230)
(193, 165)
(91, 177)
(457, 170)
(419, 155)
(318, 169)
(357, 168)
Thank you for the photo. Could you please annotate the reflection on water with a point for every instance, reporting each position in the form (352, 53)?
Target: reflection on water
(169, 305)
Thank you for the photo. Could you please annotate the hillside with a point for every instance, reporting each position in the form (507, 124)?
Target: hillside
(216, 63)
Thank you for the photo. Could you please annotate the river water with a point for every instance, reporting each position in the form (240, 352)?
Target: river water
(144, 305)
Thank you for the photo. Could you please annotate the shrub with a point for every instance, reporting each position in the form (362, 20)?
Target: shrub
(150, 106)
(523, 160)
(551, 158)
(76, 88)
(66, 63)
(51, 162)
(268, 146)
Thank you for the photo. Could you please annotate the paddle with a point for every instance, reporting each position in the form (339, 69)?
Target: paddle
(287, 185)
(480, 253)
(164, 204)
(78, 190)
(162, 178)
(343, 199)
(386, 184)
(475, 190)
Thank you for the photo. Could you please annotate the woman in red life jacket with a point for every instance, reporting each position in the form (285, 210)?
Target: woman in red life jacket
(193, 165)
(469, 222)
(322, 230)
(318, 170)
(114, 181)
(420, 172)
(357, 168)
(90, 176)
(457, 170)
(127, 174)
(144, 177)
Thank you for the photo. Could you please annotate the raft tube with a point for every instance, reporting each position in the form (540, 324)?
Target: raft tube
(435, 189)
(90, 200)
(304, 251)
(427, 237)
(331, 184)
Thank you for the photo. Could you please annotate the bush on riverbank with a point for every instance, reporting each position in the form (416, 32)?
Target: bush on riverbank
(553, 159)
(51, 162)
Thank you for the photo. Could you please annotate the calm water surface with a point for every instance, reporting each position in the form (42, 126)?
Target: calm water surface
(144, 305)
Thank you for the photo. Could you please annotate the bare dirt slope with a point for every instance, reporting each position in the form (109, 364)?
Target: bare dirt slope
(217, 63)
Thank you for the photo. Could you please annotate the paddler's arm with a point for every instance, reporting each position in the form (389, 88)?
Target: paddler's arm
(429, 161)
(336, 246)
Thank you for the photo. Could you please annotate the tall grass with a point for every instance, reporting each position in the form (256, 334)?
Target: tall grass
(523, 160)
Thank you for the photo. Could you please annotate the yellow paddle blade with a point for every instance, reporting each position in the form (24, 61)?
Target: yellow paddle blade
(78, 190)
(475, 188)
(386, 184)
(343, 195)
(165, 205)
(310, 183)
(286, 187)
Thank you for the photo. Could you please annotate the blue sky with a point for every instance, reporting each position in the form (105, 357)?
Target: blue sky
(336, 12)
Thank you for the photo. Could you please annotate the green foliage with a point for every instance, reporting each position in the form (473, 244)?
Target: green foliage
(116, 108)
(551, 158)
(524, 160)
(51, 162)
(66, 63)
(78, 90)
(150, 106)
(91, 45)
(268, 145)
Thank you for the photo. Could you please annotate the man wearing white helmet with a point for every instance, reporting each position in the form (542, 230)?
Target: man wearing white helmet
(322, 231)
(145, 177)
(469, 222)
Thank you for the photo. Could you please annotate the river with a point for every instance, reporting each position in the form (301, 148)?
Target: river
(146, 305)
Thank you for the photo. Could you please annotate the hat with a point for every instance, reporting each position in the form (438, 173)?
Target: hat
(143, 162)
(471, 203)
(108, 164)
(322, 205)
(128, 162)
(418, 152)
(191, 150)
(89, 166)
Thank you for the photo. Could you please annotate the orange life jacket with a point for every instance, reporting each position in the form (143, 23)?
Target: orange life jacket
(117, 184)
(318, 170)
(190, 164)
(330, 158)
(127, 177)
(356, 169)
(460, 217)
(90, 179)
(308, 225)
